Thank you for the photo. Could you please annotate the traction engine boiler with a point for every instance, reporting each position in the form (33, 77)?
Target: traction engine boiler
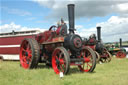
(58, 48)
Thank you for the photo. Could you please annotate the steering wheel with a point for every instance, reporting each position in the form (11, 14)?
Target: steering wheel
(53, 26)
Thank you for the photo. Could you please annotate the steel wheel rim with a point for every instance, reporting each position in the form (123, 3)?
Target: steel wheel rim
(87, 63)
(25, 54)
(58, 61)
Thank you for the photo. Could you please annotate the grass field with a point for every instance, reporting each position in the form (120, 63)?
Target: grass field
(113, 73)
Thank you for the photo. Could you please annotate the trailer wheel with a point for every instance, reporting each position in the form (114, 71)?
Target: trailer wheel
(120, 54)
(60, 60)
(29, 53)
(97, 57)
(89, 62)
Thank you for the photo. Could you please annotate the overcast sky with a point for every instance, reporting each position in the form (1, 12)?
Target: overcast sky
(111, 15)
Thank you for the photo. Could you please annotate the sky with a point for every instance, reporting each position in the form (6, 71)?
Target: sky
(111, 15)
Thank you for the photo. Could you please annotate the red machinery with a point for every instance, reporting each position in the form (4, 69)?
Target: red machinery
(58, 48)
(101, 52)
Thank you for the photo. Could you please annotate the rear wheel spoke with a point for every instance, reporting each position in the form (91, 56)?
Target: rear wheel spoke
(23, 50)
(57, 58)
(88, 65)
(61, 68)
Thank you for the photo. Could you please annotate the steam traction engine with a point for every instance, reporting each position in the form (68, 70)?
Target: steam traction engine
(101, 52)
(58, 48)
(117, 50)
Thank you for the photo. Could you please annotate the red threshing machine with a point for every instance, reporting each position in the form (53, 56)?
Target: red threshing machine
(101, 52)
(58, 48)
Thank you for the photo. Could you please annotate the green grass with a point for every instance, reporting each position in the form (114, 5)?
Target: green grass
(113, 73)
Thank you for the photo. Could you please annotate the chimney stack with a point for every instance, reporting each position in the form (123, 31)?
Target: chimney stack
(120, 42)
(99, 33)
(71, 18)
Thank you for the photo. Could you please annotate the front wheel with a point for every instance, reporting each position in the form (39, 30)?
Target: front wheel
(60, 60)
(89, 62)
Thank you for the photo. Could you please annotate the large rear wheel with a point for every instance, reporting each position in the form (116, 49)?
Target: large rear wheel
(60, 60)
(89, 62)
(29, 53)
